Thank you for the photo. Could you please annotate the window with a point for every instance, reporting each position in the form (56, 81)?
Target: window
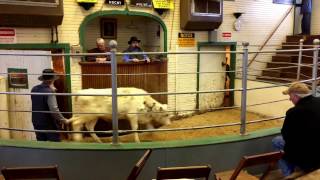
(44, 3)
(206, 7)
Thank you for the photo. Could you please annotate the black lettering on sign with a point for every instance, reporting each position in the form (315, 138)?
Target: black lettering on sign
(186, 35)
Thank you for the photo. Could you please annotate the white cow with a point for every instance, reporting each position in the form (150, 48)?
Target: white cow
(136, 109)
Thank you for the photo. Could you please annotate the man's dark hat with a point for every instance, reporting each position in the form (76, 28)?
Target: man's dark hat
(48, 74)
(133, 38)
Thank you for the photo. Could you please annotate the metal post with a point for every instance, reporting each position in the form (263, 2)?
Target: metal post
(315, 66)
(299, 59)
(115, 133)
(244, 88)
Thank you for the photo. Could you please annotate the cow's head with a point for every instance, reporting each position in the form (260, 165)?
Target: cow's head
(160, 115)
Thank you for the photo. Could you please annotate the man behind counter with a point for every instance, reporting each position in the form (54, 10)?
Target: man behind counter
(101, 48)
(135, 47)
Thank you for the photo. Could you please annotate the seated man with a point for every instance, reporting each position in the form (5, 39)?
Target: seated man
(300, 131)
(134, 47)
(101, 48)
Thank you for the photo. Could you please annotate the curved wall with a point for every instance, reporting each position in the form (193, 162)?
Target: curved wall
(104, 161)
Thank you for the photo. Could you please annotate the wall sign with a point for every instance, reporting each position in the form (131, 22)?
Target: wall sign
(17, 78)
(226, 36)
(115, 2)
(141, 3)
(8, 36)
(163, 4)
(186, 40)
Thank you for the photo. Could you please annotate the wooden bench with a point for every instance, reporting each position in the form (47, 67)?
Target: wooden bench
(270, 158)
(44, 172)
(184, 172)
(139, 165)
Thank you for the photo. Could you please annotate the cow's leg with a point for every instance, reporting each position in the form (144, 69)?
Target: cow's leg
(133, 119)
(90, 126)
(77, 136)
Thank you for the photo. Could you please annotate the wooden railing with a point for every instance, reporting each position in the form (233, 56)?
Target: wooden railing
(136, 76)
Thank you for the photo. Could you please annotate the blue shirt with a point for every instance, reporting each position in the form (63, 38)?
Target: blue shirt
(129, 58)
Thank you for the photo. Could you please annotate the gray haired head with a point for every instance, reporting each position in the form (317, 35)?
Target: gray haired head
(113, 44)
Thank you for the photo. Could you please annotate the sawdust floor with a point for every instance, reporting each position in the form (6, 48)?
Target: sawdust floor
(208, 118)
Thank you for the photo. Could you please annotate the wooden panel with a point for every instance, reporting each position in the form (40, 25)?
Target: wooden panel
(4, 122)
(136, 75)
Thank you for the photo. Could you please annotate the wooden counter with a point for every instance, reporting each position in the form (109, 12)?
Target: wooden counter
(137, 76)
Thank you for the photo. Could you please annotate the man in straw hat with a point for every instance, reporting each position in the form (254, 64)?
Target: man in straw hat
(134, 47)
(46, 103)
(300, 132)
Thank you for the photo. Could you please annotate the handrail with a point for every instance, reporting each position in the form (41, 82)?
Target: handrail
(272, 33)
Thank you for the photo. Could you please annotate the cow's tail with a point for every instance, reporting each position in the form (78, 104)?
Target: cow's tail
(74, 118)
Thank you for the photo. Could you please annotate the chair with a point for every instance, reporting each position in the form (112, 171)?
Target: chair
(184, 172)
(270, 158)
(48, 172)
(139, 165)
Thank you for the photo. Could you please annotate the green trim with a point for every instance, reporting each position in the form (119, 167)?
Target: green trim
(143, 145)
(64, 46)
(87, 19)
(68, 76)
(233, 47)
(35, 46)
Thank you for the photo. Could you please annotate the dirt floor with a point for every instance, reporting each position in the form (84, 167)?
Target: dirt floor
(209, 118)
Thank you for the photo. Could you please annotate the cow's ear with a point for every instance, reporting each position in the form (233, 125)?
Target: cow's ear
(145, 103)
(148, 105)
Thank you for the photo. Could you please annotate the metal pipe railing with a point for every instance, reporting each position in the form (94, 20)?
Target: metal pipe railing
(315, 66)
(243, 121)
(115, 128)
(299, 59)
(244, 88)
